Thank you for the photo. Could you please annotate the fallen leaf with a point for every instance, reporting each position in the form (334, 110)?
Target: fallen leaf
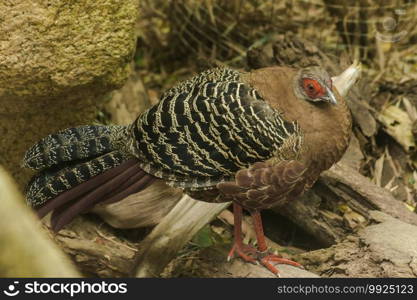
(397, 123)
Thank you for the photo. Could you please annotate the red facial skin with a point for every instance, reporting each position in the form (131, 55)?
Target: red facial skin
(313, 88)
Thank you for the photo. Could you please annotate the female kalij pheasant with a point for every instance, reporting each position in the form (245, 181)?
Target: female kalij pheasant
(258, 139)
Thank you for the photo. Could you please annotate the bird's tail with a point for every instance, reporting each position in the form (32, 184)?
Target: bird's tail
(74, 144)
(80, 167)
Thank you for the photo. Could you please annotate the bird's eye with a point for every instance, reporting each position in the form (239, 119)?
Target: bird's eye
(313, 88)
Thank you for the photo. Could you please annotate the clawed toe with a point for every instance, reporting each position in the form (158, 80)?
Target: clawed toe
(250, 254)
(246, 252)
(268, 259)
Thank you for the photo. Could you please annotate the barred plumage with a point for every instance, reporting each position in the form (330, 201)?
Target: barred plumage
(213, 75)
(51, 182)
(258, 139)
(201, 133)
(223, 135)
(73, 144)
(206, 129)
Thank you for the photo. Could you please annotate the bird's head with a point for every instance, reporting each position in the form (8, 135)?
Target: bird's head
(314, 84)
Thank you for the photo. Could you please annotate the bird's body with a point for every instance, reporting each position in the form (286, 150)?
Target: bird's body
(200, 135)
(257, 138)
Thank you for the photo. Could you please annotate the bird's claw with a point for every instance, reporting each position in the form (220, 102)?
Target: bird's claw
(246, 252)
(268, 259)
(251, 254)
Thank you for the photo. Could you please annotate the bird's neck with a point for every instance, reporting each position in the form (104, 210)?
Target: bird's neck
(326, 141)
(326, 127)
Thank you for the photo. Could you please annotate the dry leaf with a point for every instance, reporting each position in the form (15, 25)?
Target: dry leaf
(398, 124)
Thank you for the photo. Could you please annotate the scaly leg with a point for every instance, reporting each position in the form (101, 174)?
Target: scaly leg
(264, 257)
(246, 252)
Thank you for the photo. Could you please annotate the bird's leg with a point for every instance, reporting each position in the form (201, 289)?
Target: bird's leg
(264, 257)
(246, 252)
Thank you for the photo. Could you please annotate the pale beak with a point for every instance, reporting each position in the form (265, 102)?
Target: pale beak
(330, 96)
(347, 79)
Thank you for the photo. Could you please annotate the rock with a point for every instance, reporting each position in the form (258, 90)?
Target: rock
(386, 249)
(51, 49)
(128, 102)
(58, 59)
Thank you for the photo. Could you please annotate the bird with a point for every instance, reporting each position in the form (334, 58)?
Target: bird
(256, 138)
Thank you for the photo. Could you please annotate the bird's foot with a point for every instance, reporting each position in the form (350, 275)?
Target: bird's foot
(246, 252)
(267, 260)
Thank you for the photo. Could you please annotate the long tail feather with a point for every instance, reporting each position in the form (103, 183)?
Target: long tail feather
(50, 183)
(110, 191)
(88, 200)
(135, 187)
(79, 190)
(79, 168)
(73, 144)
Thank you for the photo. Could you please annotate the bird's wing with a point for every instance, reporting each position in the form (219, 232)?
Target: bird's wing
(211, 75)
(204, 134)
(264, 185)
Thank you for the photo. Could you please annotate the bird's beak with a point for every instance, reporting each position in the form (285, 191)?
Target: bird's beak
(330, 96)
(347, 79)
